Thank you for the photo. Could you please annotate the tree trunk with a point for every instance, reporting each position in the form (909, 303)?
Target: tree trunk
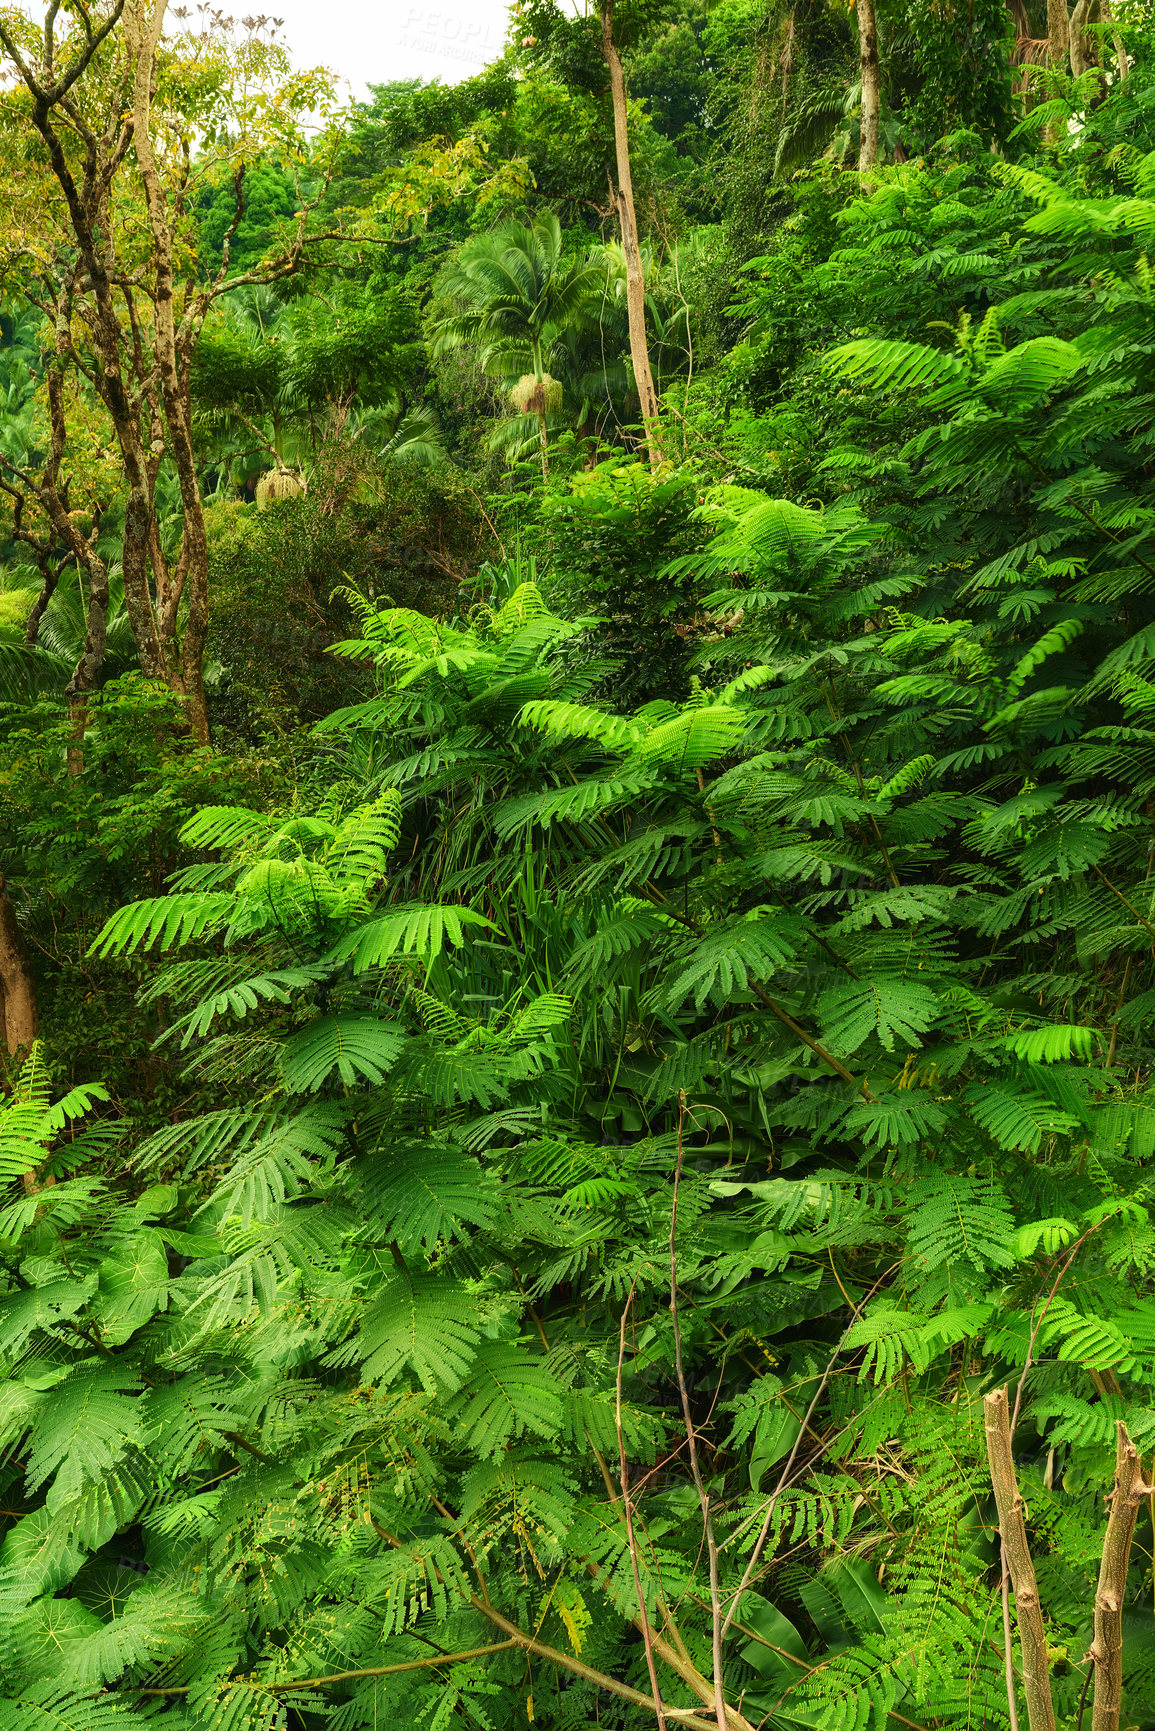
(19, 1017)
(89, 210)
(1058, 33)
(1078, 45)
(1108, 18)
(539, 379)
(623, 199)
(50, 577)
(871, 85)
(17, 987)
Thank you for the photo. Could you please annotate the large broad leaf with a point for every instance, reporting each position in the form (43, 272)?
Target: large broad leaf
(773, 1647)
(133, 1284)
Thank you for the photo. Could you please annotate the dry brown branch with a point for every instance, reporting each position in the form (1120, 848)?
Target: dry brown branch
(1017, 1558)
(1107, 1647)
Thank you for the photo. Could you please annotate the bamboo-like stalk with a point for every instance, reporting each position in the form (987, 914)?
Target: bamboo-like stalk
(1017, 1557)
(1107, 1647)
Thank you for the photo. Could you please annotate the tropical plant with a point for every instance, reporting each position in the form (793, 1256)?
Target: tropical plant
(513, 292)
(622, 1191)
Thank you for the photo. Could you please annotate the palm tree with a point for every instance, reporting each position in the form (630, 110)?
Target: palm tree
(512, 291)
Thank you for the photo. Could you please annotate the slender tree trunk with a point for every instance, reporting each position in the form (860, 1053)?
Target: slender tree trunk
(1078, 45)
(50, 575)
(871, 85)
(1108, 17)
(1107, 1647)
(623, 199)
(539, 377)
(88, 202)
(19, 1018)
(92, 568)
(17, 987)
(1017, 1558)
(143, 24)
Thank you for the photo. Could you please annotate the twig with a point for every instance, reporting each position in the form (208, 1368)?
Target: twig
(628, 1510)
(1131, 908)
(1118, 1012)
(783, 1477)
(1083, 1692)
(350, 1676)
(788, 1021)
(1079, 1242)
(688, 1417)
(1017, 1558)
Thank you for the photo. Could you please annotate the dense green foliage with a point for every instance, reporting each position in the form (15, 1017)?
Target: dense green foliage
(544, 1133)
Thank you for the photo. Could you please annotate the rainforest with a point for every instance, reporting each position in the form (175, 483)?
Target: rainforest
(577, 872)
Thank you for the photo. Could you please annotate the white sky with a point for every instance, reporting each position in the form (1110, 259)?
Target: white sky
(376, 41)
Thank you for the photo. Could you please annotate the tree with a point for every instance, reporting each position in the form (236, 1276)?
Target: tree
(623, 199)
(1058, 32)
(101, 238)
(279, 379)
(868, 72)
(514, 292)
(18, 1010)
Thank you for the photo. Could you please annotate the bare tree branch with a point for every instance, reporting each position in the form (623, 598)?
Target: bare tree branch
(1017, 1558)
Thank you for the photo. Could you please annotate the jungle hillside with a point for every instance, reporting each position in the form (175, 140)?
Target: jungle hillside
(577, 873)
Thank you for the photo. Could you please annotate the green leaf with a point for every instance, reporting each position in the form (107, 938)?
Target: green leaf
(506, 1393)
(357, 1047)
(894, 1010)
(421, 932)
(421, 1322)
(133, 1284)
(725, 961)
(418, 1193)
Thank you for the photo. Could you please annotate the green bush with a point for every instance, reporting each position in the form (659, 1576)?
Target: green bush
(610, 536)
(393, 533)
